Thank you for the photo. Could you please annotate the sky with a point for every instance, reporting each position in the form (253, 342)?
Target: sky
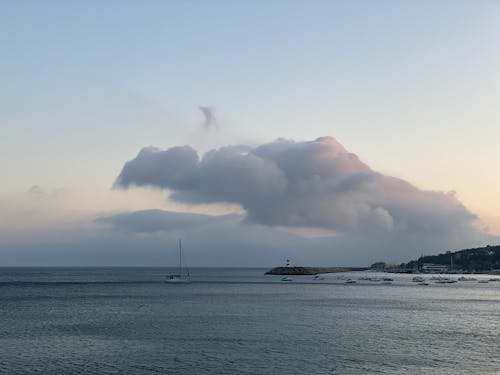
(328, 132)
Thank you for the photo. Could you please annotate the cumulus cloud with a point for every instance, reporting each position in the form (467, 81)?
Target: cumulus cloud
(315, 184)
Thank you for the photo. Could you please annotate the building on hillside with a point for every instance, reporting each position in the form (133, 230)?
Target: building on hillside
(434, 268)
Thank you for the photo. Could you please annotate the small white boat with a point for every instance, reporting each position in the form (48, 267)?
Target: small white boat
(286, 278)
(318, 277)
(177, 279)
(350, 281)
(418, 279)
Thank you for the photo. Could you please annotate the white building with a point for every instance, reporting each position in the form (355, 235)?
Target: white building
(434, 268)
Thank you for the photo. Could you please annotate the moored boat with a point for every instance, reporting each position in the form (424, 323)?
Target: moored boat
(444, 280)
(183, 276)
(463, 278)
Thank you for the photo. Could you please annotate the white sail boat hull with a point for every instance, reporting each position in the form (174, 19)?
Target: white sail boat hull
(177, 280)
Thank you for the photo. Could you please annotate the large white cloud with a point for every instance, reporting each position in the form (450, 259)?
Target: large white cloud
(316, 184)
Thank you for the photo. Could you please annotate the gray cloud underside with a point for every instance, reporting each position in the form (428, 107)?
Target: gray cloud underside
(317, 184)
(149, 237)
(225, 240)
(149, 221)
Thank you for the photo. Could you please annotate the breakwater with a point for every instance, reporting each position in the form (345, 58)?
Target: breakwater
(311, 270)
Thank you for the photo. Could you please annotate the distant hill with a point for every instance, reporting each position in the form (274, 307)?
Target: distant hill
(471, 260)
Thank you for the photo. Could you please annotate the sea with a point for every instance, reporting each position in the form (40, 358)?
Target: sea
(241, 321)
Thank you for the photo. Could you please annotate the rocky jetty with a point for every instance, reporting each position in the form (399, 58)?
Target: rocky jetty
(311, 270)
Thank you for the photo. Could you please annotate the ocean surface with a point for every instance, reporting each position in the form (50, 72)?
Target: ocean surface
(240, 321)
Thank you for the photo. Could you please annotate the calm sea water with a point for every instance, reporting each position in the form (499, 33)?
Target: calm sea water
(239, 321)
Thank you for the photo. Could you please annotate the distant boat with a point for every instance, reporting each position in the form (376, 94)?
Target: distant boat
(286, 278)
(418, 279)
(443, 280)
(350, 281)
(463, 278)
(183, 276)
(318, 277)
(387, 280)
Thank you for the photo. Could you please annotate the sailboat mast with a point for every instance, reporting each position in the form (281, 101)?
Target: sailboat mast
(180, 256)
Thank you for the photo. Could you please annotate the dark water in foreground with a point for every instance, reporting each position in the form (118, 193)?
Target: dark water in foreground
(238, 321)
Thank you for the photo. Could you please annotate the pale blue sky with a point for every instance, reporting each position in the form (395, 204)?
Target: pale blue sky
(412, 87)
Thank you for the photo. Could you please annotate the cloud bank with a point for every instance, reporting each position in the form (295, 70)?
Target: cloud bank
(149, 237)
(150, 221)
(225, 240)
(316, 184)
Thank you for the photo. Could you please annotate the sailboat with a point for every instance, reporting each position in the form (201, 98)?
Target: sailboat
(182, 277)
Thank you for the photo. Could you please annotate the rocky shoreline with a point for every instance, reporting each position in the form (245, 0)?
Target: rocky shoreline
(311, 270)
